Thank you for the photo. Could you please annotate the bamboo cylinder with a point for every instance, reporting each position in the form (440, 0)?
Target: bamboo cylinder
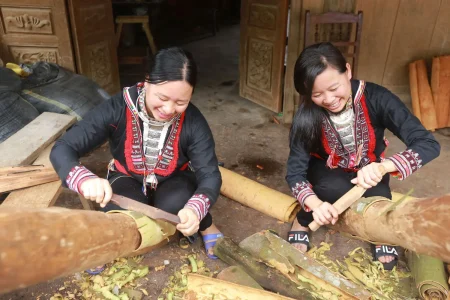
(257, 196)
(420, 225)
(43, 244)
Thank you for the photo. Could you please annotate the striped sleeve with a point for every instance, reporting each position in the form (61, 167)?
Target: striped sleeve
(200, 203)
(406, 162)
(77, 176)
(301, 191)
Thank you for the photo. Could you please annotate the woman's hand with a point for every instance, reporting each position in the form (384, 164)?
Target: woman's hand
(323, 212)
(370, 175)
(189, 222)
(97, 189)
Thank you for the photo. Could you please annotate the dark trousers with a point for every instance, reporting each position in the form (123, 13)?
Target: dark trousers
(331, 184)
(170, 195)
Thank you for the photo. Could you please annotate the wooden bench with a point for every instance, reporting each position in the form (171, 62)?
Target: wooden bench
(32, 145)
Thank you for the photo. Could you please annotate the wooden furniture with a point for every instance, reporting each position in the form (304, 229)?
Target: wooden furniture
(76, 34)
(143, 20)
(336, 35)
(263, 40)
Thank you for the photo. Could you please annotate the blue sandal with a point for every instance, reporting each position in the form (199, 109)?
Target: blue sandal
(210, 241)
(95, 271)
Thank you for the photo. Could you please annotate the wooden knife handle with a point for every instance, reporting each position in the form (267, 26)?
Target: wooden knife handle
(347, 200)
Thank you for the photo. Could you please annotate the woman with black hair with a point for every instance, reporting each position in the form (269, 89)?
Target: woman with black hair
(162, 147)
(337, 141)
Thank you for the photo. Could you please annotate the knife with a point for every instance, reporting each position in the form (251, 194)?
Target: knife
(149, 211)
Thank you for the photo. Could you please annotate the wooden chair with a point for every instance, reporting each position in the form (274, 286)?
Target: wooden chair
(144, 21)
(312, 22)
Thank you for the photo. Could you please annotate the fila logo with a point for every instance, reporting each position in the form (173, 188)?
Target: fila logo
(298, 237)
(386, 249)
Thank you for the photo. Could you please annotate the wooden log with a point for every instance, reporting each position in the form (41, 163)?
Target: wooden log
(277, 252)
(43, 244)
(440, 84)
(202, 287)
(23, 147)
(420, 225)
(414, 87)
(268, 278)
(427, 109)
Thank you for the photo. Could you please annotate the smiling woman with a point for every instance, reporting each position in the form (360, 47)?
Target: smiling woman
(337, 141)
(162, 147)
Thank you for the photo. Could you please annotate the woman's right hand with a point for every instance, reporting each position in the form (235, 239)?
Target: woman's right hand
(325, 213)
(97, 189)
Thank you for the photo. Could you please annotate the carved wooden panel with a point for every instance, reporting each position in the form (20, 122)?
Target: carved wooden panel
(34, 54)
(263, 40)
(27, 20)
(94, 41)
(36, 30)
(264, 16)
(259, 64)
(99, 63)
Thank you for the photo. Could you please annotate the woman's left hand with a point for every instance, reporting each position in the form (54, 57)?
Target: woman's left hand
(189, 222)
(369, 176)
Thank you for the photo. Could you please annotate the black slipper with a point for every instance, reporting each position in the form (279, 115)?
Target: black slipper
(299, 237)
(383, 250)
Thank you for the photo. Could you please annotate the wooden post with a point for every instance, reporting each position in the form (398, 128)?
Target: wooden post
(420, 225)
(43, 244)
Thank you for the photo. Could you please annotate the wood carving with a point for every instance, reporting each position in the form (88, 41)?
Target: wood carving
(30, 55)
(27, 20)
(264, 16)
(100, 63)
(260, 64)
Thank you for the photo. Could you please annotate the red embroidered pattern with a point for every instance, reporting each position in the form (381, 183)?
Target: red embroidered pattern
(301, 191)
(364, 135)
(406, 162)
(200, 204)
(77, 176)
(134, 155)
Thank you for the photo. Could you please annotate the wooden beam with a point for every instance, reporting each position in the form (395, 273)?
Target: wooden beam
(18, 179)
(24, 146)
(40, 196)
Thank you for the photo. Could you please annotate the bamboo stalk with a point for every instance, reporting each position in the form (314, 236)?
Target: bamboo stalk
(421, 225)
(43, 244)
(267, 277)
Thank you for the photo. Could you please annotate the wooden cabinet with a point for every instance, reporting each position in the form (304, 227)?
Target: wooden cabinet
(76, 34)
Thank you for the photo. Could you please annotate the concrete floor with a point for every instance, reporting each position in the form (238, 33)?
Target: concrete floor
(245, 136)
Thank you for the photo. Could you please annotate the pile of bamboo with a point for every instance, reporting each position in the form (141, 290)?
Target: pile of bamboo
(431, 104)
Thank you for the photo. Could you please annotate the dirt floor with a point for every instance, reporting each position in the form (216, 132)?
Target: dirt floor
(246, 136)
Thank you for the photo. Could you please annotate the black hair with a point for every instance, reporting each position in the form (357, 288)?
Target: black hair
(306, 127)
(172, 64)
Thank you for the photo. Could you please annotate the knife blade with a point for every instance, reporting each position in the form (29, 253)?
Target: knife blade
(150, 211)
